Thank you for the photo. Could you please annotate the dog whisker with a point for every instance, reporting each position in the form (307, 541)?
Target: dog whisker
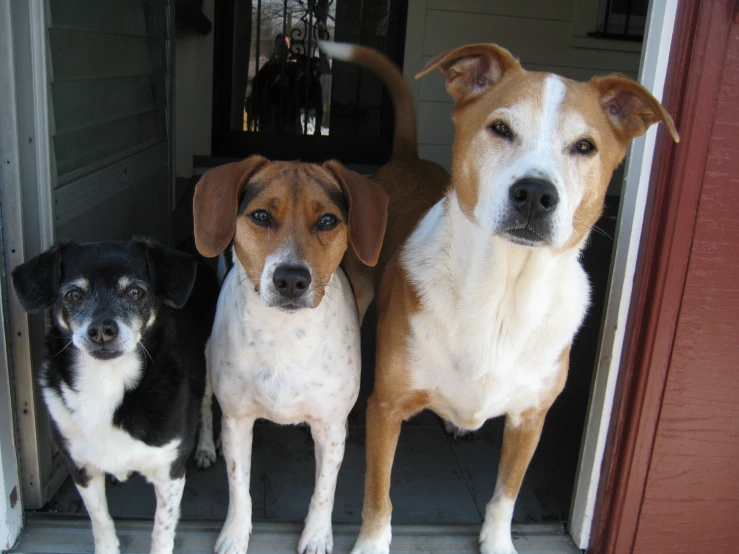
(63, 349)
(145, 350)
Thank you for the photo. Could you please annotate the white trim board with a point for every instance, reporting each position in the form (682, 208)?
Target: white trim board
(652, 74)
(59, 535)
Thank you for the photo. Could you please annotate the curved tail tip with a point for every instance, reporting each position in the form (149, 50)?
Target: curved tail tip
(338, 50)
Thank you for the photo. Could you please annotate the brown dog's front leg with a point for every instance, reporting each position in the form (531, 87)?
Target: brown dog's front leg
(383, 430)
(519, 443)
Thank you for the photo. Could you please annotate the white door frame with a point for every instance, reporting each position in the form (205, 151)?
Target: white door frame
(27, 211)
(652, 74)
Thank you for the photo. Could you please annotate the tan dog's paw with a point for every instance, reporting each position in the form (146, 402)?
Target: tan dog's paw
(234, 538)
(317, 537)
(107, 543)
(496, 541)
(377, 544)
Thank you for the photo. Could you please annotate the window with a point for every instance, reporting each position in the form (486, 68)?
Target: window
(622, 20)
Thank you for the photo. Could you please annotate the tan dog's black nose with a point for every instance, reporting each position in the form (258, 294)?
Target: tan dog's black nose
(102, 332)
(534, 198)
(291, 281)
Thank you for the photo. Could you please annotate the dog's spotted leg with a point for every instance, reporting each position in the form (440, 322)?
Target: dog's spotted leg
(169, 495)
(236, 434)
(520, 438)
(205, 453)
(329, 439)
(91, 486)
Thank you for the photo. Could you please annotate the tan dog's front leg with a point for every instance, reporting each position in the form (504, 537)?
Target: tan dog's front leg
(519, 443)
(329, 439)
(236, 434)
(383, 430)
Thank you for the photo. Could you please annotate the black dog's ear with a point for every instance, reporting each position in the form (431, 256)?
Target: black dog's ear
(172, 272)
(36, 282)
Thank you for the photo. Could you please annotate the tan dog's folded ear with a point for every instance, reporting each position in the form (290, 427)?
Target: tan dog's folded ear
(630, 107)
(367, 204)
(472, 69)
(217, 201)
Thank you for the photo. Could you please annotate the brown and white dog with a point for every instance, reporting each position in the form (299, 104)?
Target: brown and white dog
(285, 341)
(481, 290)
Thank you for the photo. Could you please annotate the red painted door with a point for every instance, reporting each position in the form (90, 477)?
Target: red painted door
(691, 497)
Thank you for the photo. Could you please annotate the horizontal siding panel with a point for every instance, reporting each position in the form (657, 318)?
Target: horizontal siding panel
(80, 104)
(84, 55)
(82, 195)
(87, 148)
(531, 40)
(433, 88)
(123, 17)
(442, 155)
(434, 123)
(141, 209)
(560, 10)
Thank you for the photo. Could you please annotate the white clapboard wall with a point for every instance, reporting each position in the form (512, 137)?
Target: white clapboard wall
(110, 119)
(543, 34)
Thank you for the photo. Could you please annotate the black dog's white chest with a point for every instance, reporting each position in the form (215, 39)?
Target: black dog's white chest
(84, 416)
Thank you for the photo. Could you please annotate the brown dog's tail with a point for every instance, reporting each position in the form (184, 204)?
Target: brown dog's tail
(405, 143)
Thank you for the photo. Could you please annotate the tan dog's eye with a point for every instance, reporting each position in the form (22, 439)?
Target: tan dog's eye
(327, 222)
(502, 130)
(73, 295)
(584, 146)
(261, 217)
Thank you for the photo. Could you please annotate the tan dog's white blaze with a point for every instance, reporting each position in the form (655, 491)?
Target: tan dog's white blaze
(481, 289)
(285, 341)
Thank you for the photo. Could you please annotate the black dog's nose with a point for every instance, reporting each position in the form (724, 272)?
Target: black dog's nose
(103, 332)
(291, 281)
(534, 197)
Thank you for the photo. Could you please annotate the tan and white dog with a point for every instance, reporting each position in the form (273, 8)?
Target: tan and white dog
(285, 341)
(481, 290)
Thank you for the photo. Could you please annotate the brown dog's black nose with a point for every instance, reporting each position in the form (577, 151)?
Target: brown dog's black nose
(291, 281)
(103, 332)
(534, 197)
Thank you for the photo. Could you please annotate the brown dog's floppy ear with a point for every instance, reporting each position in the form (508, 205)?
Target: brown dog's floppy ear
(367, 204)
(217, 201)
(472, 69)
(630, 107)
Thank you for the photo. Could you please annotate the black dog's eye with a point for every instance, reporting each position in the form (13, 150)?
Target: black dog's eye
(502, 130)
(135, 293)
(327, 222)
(584, 146)
(73, 295)
(261, 217)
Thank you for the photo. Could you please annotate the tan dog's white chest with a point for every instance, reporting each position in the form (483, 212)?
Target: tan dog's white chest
(286, 367)
(487, 338)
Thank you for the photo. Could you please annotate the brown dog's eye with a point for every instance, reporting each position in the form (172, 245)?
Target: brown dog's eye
(327, 222)
(73, 295)
(584, 146)
(261, 217)
(502, 130)
(135, 293)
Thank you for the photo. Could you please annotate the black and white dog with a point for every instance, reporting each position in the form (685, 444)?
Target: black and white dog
(124, 378)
